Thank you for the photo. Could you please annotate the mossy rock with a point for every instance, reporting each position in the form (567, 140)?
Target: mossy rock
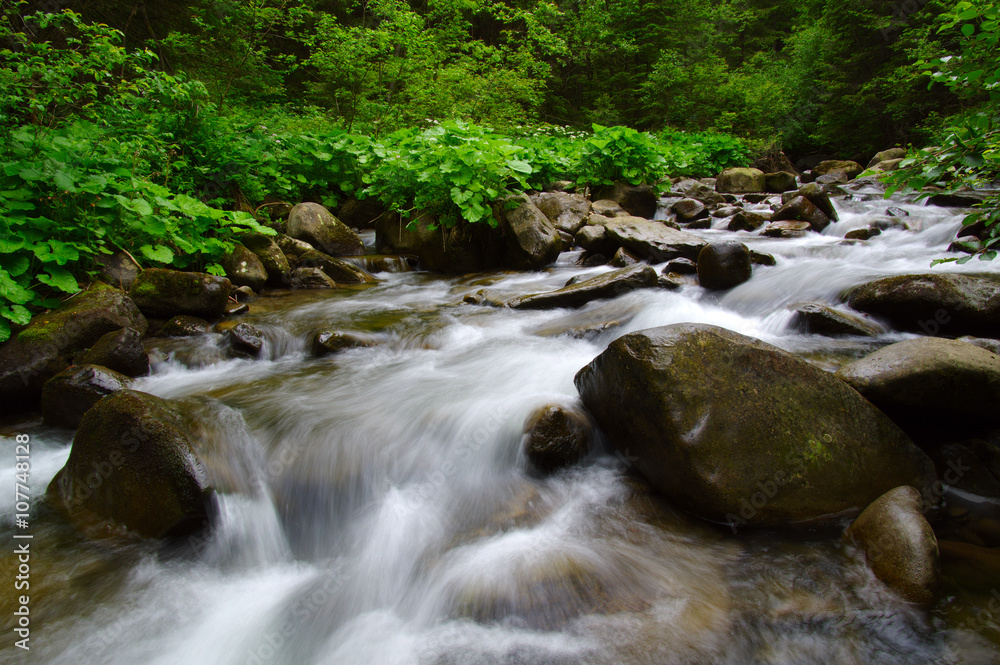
(741, 432)
(339, 270)
(132, 467)
(244, 268)
(70, 394)
(121, 351)
(316, 225)
(166, 293)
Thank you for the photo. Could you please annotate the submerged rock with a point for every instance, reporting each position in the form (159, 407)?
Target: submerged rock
(899, 545)
(132, 467)
(935, 304)
(606, 285)
(245, 340)
(326, 342)
(739, 431)
(556, 436)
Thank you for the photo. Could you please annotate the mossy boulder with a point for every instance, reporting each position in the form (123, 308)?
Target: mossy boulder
(740, 181)
(779, 181)
(69, 394)
(267, 251)
(531, 241)
(899, 545)
(317, 226)
(934, 304)
(741, 432)
(568, 212)
(244, 268)
(121, 351)
(165, 293)
(50, 341)
(850, 168)
(132, 467)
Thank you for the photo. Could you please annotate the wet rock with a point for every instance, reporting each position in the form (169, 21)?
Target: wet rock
(623, 258)
(595, 239)
(244, 294)
(339, 270)
(234, 308)
(991, 345)
(270, 255)
(165, 293)
(69, 394)
(653, 240)
(887, 155)
(568, 212)
(779, 181)
(955, 200)
(326, 342)
(132, 467)
(118, 270)
(245, 340)
(592, 260)
(929, 379)
(889, 222)
(786, 229)
(740, 181)
(184, 326)
(121, 351)
(747, 221)
(689, 210)
(739, 431)
(243, 268)
(461, 249)
(756, 197)
(310, 278)
(636, 200)
(837, 177)
(899, 545)
(606, 285)
(802, 209)
(725, 211)
(762, 259)
(723, 265)
(849, 168)
(681, 267)
(49, 342)
(819, 319)
(699, 190)
(531, 241)
(556, 437)
(817, 195)
(315, 224)
(361, 214)
(607, 208)
(669, 282)
(934, 304)
(292, 248)
(866, 233)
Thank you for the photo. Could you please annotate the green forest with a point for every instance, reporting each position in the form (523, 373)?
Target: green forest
(167, 130)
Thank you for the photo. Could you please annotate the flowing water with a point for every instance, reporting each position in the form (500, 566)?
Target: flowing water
(375, 506)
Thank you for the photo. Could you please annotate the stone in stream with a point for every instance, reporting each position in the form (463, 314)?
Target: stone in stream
(339, 270)
(887, 155)
(245, 340)
(747, 221)
(817, 195)
(568, 212)
(930, 380)
(802, 209)
(310, 278)
(460, 249)
(850, 169)
(653, 240)
(132, 467)
(121, 351)
(866, 233)
(530, 240)
(898, 544)
(243, 268)
(762, 259)
(948, 305)
(723, 265)
(275, 263)
(740, 181)
(819, 319)
(326, 342)
(623, 258)
(779, 181)
(681, 267)
(739, 431)
(637, 200)
(607, 208)
(164, 293)
(51, 339)
(595, 239)
(292, 248)
(315, 224)
(786, 229)
(689, 210)
(184, 326)
(69, 394)
(605, 285)
(556, 437)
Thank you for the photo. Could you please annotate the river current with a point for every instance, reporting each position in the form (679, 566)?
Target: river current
(375, 506)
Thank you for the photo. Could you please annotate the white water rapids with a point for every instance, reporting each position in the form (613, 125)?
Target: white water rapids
(375, 507)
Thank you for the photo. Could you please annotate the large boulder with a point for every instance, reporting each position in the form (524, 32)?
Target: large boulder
(652, 240)
(890, 155)
(934, 304)
(267, 251)
(637, 200)
(531, 241)
(802, 209)
(568, 212)
(244, 268)
(723, 265)
(850, 168)
(898, 544)
(605, 285)
(69, 394)
(740, 181)
(47, 345)
(315, 224)
(779, 181)
(739, 431)
(339, 270)
(121, 350)
(463, 248)
(556, 436)
(817, 195)
(689, 210)
(133, 467)
(930, 380)
(166, 293)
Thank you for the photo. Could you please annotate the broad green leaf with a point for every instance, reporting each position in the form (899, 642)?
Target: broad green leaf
(158, 253)
(59, 278)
